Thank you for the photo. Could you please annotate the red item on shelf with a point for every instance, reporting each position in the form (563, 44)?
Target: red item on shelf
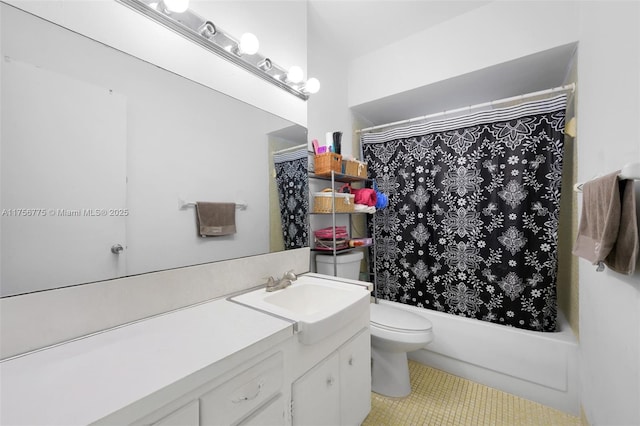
(366, 196)
(327, 233)
(360, 242)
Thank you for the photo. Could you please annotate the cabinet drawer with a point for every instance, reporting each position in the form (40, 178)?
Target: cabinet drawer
(272, 414)
(237, 397)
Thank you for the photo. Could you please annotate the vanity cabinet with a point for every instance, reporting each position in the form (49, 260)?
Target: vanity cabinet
(196, 367)
(336, 391)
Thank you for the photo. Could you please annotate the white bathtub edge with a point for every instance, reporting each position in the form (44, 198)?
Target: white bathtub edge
(513, 366)
(566, 401)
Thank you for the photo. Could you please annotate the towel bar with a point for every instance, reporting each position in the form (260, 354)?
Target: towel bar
(182, 205)
(629, 171)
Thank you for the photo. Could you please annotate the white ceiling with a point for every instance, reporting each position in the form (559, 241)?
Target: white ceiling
(357, 27)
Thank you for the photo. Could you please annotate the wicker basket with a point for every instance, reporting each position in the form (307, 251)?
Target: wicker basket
(322, 202)
(324, 244)
(324, 163)
(355, 168)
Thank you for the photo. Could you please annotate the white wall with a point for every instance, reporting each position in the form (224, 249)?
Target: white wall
(608, 137)
(281, 24)
(498, 32)
(327, 109)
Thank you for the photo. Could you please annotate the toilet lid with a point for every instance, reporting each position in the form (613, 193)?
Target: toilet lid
(389, 317)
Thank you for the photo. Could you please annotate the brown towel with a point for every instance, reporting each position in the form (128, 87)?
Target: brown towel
(603, 226)
(216, 219)
(624, 255)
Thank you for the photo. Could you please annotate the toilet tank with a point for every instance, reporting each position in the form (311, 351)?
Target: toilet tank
(348, 264)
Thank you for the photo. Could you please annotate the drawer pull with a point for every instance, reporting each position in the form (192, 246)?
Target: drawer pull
(248, 398)
(330, 381)
(351, 361)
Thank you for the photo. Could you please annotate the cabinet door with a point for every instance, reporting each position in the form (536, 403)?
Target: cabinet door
(355, 379)
(316, 395)
(189, 415)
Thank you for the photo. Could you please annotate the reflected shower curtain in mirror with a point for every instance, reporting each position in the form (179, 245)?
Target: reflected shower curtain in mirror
(293, 195)
(471, 227)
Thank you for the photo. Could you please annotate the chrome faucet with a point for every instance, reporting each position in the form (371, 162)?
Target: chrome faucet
(285, 281)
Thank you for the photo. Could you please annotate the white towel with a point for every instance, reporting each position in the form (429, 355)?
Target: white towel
(363, 208)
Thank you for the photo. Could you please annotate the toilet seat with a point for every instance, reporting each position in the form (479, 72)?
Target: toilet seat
(398, 320)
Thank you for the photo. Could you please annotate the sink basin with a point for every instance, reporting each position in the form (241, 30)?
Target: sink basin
(309, 299)
(318, 306)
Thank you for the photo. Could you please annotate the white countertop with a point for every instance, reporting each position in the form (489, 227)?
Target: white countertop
(82, 381)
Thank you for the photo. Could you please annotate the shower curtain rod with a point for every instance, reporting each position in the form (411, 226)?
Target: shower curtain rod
(293, 148)
(571, 86)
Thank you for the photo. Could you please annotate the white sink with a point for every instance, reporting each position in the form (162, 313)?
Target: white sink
(318, 306)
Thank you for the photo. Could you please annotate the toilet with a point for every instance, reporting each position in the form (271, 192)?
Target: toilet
(394, 332)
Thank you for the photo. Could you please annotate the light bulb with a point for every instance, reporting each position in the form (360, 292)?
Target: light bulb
(312, 85)
(295, 74)
(249, 44)
(177, 6)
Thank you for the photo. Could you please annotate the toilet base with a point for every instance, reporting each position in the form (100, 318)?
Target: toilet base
(390, 373)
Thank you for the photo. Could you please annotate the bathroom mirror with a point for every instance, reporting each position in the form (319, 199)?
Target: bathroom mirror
(100, 153)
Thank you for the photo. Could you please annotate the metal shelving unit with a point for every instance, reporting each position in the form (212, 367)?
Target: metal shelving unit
(341, 178)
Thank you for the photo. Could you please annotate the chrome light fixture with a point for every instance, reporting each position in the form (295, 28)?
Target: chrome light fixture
(265, 64)
(175, 15)
(176, 6)
(207, 30)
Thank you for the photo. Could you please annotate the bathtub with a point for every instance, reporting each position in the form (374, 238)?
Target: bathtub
(541, 367)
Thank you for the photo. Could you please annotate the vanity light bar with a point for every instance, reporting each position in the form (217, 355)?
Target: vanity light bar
(208, 35)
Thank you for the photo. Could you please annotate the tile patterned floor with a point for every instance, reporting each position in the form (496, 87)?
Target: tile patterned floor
(439, 398)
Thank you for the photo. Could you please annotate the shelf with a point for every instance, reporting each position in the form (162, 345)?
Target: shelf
(339, 250)
(342, 249)
(318, 213)
(334, 177)
(339, 177)
(331, 251)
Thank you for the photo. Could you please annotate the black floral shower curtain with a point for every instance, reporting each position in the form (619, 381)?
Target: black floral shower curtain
(293, 195)
(471, 226)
